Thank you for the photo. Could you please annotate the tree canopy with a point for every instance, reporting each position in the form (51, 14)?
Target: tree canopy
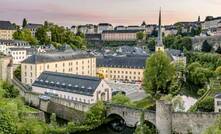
(158, 74)
(25, 35)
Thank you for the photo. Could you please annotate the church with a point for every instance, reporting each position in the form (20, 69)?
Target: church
(175, 55)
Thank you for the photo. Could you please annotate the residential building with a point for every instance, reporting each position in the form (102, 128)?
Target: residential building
(170, 30)
(85, 89)
(121, 68)
(6, 69)
(104, 27)
(120, 28)
(33, 28)
(74, 29)
(66, 61)
(120, 35)
(7, 30)
(6, 44)
(18, 54)
(87, 29)
(217, 103)
(211, 23)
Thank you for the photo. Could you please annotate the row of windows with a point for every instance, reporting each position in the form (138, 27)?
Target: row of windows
(16, 53)
(75, 99)
(126, 72)
(18, 58)
(124, 77)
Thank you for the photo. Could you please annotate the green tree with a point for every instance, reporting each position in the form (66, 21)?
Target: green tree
(25, 35)
(140, 35)
(9, 90)
(24, 23)
(53, 121)
(218, 70)
(158, 74)
(206, 47)
(151, 43)
(218, 50)
(206, 105)
(7, 126)
(42, 36)
(121, 99)
(96, 115)
(17, 73)
(142, 128)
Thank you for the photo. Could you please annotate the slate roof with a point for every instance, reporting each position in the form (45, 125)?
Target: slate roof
(55, 56)
(33, 26)
(104, 24)
(218, 95)
(7, 25)
(123, 31)
(13, 42)
(85, 85)
(137, 62)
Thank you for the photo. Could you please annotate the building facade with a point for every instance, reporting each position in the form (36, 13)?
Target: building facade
(6, 69)
(211, 23)
(6, 30)
(80, 63)
(33, 28)
(18, 54)
(127, 69)
(217, 103)
(104, 27)
(85, 89)
(120, 35)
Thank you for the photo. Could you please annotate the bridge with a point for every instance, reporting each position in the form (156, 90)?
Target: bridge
(164, 119)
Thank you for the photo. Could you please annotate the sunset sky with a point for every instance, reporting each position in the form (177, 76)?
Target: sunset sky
(117, 12)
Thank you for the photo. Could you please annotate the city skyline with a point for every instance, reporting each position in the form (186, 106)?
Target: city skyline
(123, 12)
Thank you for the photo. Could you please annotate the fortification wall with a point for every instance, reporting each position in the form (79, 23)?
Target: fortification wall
(194, 123)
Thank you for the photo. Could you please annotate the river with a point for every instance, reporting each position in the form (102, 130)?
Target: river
(105, 129)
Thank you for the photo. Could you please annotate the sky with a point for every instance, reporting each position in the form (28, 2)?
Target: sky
(116, 12)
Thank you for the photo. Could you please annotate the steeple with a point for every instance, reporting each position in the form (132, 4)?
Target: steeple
(159, 39)
(159, 46)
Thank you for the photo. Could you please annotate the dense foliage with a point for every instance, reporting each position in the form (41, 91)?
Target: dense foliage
(177, 42)
(206, 47)
(215, 128)
(158, 74)
(206, 105)
(142, 128)
(121, 99)
(208, 60)
(25, 35)
(17, 73)
(51, 33)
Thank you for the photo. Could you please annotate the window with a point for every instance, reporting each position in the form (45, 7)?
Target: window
(47, 66)
(63, 64)
(218, 103)
(56, 65)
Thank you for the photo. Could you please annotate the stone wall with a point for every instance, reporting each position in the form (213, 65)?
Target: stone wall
(195, 123)
(131, 116)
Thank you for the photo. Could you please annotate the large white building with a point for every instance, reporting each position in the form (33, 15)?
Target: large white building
(211, 24)
(120, 35)
(85, 89)
(104, 27)
(73, 62)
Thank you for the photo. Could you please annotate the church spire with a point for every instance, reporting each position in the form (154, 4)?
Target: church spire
(159, 46)
(159, 40)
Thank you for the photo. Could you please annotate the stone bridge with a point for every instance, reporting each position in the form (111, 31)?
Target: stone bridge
(165, 120)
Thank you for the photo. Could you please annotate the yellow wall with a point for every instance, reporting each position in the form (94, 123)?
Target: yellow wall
(85, 66)
(6, 34)
(129, 74)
